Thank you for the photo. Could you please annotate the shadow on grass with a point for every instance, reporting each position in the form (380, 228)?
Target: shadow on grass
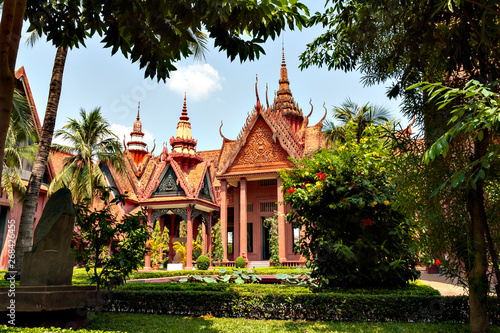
(147, 323)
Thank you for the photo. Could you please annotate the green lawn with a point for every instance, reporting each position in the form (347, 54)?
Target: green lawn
(156, 323)
(112, 322)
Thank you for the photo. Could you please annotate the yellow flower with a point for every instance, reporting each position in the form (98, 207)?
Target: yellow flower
(330, 167)
(318, 184)
(342, 148)
(309, 190)
(389, 178)
(386, 202)
(306, 173)
(308, 184)
(363, 140)
(374, 204)
(382, 169)
(376, 154)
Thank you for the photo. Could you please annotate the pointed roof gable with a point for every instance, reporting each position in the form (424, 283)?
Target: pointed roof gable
(278, 131)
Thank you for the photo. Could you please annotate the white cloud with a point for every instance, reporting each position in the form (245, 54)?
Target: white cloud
(198, 81)
(120, 131)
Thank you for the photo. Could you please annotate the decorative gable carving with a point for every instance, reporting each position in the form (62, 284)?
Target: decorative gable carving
(260, 151)
(205, 190)
(168, 185)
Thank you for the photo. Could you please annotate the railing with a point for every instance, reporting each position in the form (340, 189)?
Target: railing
(296, 263)
(228, 264)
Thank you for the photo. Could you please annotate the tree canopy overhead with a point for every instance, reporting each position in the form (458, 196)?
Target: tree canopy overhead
(158, 33)
(402, 43)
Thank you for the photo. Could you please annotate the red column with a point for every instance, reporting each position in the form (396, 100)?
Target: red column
(223, 215)
(243, 217)
(281, 223)
(171, 252)
(147, 259)
(209, 238)
(189, 242)
(237, 212)
(204, 236)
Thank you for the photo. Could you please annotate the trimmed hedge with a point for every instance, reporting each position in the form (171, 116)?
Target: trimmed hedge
(413, 289)
(320, 306)
(213, 287)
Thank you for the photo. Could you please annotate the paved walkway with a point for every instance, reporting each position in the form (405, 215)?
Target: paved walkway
(445, 286)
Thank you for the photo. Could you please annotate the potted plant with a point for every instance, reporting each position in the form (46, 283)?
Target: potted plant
(157, 244)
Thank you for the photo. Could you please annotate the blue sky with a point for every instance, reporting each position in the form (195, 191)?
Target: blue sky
(216, 89)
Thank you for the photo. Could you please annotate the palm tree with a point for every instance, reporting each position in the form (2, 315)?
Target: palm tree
(363, 117)
(25, 233)
(20, 145)
(91, 143)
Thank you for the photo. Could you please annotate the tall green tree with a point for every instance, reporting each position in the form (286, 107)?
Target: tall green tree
(11, 24)
(364, 116)
(91, 143)
(157, 38)
(408, 42)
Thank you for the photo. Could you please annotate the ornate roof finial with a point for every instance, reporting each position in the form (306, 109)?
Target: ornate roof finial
(258, 106)
(267, 100)
(183, 144)
(324, 116)
(222, 135)
(184, 115)
(136, 145)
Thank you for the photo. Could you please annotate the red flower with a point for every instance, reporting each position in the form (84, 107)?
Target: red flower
(438, 262)
(367, 222)
(306, 182)
(352, 185)
(291, 190)
(375, 191)
(321, 175)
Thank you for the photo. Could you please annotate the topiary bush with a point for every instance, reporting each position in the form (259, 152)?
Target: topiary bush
(203, 262)
(240, 262)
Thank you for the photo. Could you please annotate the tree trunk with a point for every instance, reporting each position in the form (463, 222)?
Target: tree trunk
(10, 34)
(25, 235)
(477, 276)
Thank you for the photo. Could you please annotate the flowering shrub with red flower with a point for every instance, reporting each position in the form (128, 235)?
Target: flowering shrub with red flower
(355, 236)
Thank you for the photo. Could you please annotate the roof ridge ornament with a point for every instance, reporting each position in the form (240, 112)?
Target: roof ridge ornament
(222, 135)
(258, 106)
(324, 116)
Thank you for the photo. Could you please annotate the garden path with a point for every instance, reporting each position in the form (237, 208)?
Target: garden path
(440, 282)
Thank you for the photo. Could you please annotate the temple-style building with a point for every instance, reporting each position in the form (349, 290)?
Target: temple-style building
(237, 184)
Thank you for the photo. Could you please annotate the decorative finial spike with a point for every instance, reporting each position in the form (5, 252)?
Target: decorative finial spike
(138, 109)
(184, 115)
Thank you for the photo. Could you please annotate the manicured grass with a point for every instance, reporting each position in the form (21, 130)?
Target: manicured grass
(155, 323)
(113, 322)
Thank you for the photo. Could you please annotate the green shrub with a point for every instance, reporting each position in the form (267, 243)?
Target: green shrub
(303, 306)
(240, 262)
(203, 262)
(93, 231)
